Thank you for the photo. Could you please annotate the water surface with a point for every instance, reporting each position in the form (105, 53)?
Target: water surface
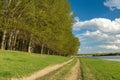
(112, 58)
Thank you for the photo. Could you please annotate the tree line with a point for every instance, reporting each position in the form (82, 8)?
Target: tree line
(37, 26)
(107, 54)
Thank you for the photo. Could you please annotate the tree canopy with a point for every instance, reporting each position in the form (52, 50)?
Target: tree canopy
(37, 26)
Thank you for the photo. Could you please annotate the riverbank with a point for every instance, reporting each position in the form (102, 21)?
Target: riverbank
(97, 69)
(111, 58)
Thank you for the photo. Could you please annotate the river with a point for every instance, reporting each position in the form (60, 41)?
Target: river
(111, 58)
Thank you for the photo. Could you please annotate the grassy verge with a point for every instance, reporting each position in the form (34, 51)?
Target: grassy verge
(100, 69)
(60, 73)
(18, 64)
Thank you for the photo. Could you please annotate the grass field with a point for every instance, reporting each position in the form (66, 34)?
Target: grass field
(95, 69)
(61, 73)
(18, 64)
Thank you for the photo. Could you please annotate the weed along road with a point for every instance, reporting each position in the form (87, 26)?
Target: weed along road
(25, 66)
(43, 72)
(70, 71)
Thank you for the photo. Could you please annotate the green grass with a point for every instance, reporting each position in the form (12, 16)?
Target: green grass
(61, 73)
(100, 69)
(18, 64)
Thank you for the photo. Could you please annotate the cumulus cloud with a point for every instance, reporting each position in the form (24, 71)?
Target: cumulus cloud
(102, 24)
(112, 4)
(115, 41)
(77, 19)
(118, 36)
(98, 33)
(114, 47)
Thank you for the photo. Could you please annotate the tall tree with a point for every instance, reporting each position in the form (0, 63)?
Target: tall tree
(40, 26)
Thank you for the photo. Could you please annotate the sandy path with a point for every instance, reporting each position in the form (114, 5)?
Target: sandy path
(75, 71)
(43, 72)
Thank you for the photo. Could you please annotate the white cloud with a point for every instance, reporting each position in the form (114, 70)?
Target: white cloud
(116, 41)
(79, 49)
(77, 19)
(72, 13)
(114, 47)
(98, 33)
(112, 4)
(102, 24)
(118, 36)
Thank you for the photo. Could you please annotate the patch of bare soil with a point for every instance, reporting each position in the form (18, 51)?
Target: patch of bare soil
(43, 72)
(75, 73)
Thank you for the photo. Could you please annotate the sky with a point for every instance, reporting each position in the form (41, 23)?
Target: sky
(97, 25)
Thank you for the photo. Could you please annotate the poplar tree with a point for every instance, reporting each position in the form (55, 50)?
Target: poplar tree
(37, 26)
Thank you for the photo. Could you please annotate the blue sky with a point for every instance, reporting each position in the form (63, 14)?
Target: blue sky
(97, 25)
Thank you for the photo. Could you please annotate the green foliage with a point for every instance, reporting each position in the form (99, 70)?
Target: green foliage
(42, 22)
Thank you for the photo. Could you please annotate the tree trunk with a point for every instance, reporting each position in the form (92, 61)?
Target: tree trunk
(3, 40)
(17, 44)
(10, 41)
(15, 40)
(23, 45)
(42, 49)
(48, 52)
(30, 46)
